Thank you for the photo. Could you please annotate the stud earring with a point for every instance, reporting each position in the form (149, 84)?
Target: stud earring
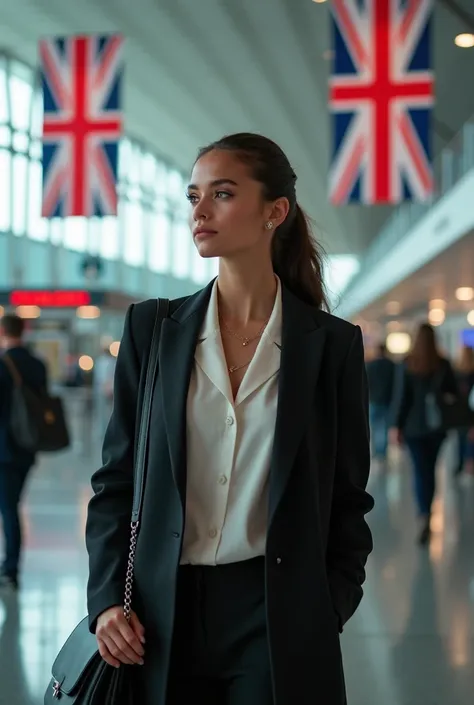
(269, 225)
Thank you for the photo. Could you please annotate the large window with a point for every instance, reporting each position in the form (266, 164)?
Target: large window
(151, 227)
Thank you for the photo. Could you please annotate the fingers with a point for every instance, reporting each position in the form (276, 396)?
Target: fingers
(118, 641)
(137, 627)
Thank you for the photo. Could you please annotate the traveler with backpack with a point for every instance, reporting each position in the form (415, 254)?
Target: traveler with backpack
(15, 461)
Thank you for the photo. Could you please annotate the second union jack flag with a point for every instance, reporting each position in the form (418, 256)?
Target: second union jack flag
(82, 124)
(381, 95)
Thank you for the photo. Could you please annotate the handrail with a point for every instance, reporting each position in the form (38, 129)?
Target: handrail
(453, 162)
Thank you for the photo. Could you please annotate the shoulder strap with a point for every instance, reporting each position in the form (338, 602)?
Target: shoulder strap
(11, 367)
(162, 311)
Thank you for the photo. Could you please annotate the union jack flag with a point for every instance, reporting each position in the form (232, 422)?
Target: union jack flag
(82, 124)
(381, 95)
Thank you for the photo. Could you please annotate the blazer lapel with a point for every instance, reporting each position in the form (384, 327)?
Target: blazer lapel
(301, 355)
(178, 342)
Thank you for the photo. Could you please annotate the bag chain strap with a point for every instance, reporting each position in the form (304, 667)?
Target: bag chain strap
(127, 603)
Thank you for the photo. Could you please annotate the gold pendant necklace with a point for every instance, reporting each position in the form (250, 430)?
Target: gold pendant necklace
(234, 368)
(243, 339)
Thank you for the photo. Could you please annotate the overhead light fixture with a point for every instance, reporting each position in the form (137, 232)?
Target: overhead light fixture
(394, 326)
(398, 343)
(436, 316)
(465, 293)
(86, 363)
(114, 348)
(88, 312)
(28, 311)
(393, 308)
(437, 303)
(470, 318)
(464, 40)
(320, 2)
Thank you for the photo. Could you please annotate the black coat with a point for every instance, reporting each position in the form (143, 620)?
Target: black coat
(317, 541)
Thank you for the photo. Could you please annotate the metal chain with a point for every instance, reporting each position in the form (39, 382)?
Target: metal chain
(127, 603)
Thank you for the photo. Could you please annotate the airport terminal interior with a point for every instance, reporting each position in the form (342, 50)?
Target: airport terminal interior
(388, 186)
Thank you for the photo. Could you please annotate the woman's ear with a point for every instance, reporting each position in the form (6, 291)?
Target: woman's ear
(279, 211)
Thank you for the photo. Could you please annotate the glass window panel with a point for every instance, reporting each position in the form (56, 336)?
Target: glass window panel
(5, 221)
(199, 268)
(20, 97)
(134, 251)
(159, 247)
(5, 135)
(75, 233)
(148, 169)
(20, 176)
(124, 157)
(20, 141)
(37, 226)
(161, 179)
(37, 115)
(3, 93)
(57, 226)
(181, 239)
(175, 184)
(109, 238)
(36, 150)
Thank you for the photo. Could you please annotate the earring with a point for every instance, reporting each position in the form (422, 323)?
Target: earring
(269, 225)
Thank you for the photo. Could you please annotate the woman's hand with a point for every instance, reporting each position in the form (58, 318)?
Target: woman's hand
(120, 641)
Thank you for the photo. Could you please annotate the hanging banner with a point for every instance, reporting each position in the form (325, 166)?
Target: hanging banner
(380, 98)
(82, 124)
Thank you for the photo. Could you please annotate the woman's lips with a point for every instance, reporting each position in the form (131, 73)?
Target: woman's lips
(204, 234)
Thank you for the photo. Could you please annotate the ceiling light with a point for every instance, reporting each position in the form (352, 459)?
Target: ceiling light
(88, 312)
(470, 318)
(320, 2)
(465, 40)
(86, 363)
(393, 308)
(437, 303)
(394, 325)
(398, 343)
(28, 311)
(465, 293)
(436, 316)
(114, 348)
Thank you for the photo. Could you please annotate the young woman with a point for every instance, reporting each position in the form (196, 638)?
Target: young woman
(424, 375)
(253, 541)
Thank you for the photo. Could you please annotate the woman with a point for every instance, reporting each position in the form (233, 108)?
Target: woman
(253, 540)
(423, 378)
(465, 378)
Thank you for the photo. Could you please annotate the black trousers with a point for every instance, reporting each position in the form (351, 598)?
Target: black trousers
(220, 652)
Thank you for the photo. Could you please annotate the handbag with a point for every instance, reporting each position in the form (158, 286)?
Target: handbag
(79, 674)
(36, 419)
(447, 411)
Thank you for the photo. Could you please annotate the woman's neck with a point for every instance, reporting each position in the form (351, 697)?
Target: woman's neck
(246, 294)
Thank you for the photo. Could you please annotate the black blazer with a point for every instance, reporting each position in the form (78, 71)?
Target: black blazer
(317, 541)
(409, 406)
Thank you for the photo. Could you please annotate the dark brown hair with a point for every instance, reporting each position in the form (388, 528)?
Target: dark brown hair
(424, 358)
(297, 258)
(12, 326)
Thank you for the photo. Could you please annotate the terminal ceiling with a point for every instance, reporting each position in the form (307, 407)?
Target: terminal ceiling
(197, 69)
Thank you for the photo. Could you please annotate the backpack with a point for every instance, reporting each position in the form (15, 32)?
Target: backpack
(36, 420)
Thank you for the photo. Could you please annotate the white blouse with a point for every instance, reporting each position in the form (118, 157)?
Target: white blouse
(229, 446)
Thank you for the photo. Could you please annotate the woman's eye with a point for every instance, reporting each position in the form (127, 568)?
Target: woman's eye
(192, 198)
(223, 194)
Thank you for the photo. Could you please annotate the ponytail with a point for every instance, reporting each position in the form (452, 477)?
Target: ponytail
(298, 260)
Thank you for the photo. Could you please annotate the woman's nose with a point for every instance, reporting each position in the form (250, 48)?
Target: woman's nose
(201, 211)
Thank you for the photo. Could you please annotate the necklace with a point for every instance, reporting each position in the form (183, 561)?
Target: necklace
(243, 339)
(234, 368)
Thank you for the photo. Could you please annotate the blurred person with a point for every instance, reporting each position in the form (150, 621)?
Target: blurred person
(380, 376)
(253, 539)
(15, 463)
(103, 388)
(422, 375)
(465, 378)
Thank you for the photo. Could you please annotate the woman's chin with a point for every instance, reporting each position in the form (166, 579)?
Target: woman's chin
(208, 249)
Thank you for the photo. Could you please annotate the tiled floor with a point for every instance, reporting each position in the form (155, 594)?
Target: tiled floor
(411, 642)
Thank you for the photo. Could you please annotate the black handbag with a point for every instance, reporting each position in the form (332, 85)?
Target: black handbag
(446, 411)
(36, 421)
(79, 674)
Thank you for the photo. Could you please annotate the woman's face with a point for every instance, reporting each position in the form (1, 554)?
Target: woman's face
(228, 212)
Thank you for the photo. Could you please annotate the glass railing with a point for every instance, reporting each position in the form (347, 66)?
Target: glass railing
(455, 160)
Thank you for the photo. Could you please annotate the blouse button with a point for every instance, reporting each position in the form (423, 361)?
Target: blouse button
(229, 420)
(278, 561)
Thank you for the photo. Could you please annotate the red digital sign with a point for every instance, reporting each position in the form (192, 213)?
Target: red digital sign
(50, 299)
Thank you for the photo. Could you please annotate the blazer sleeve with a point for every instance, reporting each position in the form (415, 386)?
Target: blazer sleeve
(109, 511)
(350, 539)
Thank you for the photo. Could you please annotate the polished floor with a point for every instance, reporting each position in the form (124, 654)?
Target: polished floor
(411, 642)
